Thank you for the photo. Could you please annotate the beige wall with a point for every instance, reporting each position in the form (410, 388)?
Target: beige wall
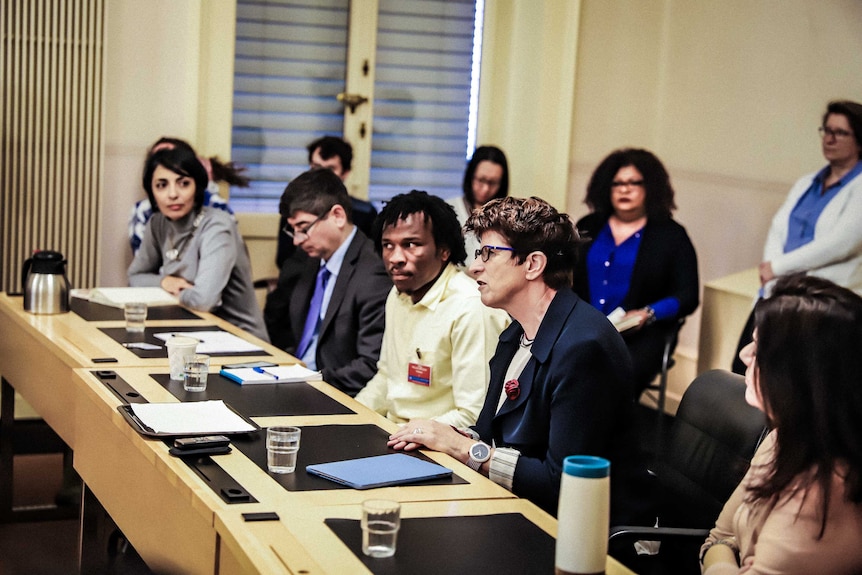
(526, 92)
(728, 94)
(168, 72)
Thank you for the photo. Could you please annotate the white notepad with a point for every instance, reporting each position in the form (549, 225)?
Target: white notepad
(118, 297)
(190, 418)
(214, 341)
(276, 374)
(379, 471)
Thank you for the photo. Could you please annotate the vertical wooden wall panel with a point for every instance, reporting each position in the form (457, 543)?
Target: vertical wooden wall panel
(51, 154)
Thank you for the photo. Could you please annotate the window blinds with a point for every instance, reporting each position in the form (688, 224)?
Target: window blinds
(290, 64)
(421, 97)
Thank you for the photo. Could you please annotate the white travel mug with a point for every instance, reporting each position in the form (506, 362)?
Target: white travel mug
(583, 516)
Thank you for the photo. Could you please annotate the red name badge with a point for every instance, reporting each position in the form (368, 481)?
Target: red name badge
(419, 374)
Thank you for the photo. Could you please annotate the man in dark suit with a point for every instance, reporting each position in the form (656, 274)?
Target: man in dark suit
(328, 309)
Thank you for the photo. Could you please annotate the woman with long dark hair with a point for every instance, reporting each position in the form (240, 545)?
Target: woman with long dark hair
(486, 178)
(799, 508)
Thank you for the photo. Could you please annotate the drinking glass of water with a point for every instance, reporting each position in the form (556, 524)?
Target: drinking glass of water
(381, 520)
(282, 447)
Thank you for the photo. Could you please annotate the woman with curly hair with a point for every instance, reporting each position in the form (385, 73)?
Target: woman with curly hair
(638, 263)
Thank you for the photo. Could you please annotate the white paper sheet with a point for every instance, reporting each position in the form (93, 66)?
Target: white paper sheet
(191, 417)
(117, 297)
(214, 342)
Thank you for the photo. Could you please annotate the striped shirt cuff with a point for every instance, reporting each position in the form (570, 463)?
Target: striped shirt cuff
(503, 464)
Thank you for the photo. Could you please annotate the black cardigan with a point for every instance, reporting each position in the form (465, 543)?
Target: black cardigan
(666, 265)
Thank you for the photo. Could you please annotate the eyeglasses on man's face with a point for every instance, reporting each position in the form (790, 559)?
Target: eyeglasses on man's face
(485, 251)
(304, 231)
(838, 134)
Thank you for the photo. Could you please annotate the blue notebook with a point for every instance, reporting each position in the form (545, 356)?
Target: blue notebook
(379, 471)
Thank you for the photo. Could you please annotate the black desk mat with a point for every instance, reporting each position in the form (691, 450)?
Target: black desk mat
(325, 443)
(499, 544)
(92, 311)
(120, 335)
(214, 476)
(259, 400)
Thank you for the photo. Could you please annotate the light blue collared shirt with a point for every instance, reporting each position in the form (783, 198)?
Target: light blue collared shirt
(803, 217)
(334, 267)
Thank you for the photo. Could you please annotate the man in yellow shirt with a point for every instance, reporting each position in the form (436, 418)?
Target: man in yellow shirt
(438, 336)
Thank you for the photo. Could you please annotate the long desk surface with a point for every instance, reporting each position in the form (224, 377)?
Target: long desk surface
(158, 499)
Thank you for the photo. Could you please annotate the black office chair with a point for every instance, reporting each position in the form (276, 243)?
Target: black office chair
(659, 386)
(667, 362)
(707, 452)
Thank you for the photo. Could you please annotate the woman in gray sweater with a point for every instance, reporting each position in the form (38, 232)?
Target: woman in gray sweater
(191, 251)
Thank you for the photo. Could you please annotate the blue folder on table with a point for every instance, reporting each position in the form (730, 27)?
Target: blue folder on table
(379, 471)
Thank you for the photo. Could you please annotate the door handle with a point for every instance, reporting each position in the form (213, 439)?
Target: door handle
(351, 100)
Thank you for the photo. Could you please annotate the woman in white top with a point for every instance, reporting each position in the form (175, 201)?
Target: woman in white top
(486, 178)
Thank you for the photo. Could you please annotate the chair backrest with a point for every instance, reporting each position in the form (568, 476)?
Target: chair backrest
(708, 450)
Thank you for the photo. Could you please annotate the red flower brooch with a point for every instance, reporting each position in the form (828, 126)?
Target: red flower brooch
(513, 389)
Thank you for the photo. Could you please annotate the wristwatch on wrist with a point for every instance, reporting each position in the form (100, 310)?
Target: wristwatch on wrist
(650, 315)
(479, 454)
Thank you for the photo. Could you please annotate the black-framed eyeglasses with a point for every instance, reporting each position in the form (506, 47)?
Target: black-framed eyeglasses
(485, 251)
(629, 184)
(304, 232)
(837, 134)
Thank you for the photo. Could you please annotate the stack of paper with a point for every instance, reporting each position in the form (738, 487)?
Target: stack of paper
(189, 418)
(118, 297)
(275, 374)
(214, 342)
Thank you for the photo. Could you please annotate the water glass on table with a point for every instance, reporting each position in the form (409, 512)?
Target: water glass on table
(282, 448)
(135, 314)
(196, 368)
(381, 520)
(178, 348)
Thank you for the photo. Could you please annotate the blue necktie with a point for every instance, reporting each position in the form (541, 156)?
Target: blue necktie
(312, 320)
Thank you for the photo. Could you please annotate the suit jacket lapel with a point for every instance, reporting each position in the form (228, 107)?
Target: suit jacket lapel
(549, 332)
(345, 275)
(525, 384)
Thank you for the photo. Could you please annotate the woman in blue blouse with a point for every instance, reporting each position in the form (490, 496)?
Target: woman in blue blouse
(638, 258)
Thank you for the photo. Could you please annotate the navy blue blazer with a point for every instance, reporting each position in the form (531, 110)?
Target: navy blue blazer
(576, 399)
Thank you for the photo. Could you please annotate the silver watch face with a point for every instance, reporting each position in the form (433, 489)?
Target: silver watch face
(480, 452)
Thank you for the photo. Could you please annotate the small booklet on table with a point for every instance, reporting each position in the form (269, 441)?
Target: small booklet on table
(275, 374)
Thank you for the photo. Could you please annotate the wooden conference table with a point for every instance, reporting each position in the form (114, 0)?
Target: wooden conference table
(187, 516)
